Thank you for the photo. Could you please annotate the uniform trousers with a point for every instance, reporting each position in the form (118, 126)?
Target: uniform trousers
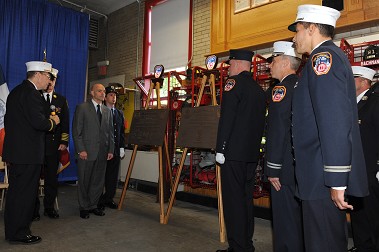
(111, 179)
(325, 227)
(20, 199)
(365, 220)
(287, 220)
(237, 182)
(51, 179)
(90, 182)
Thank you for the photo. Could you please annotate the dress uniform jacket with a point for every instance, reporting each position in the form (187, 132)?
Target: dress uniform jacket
(242, 119)
(61, 134)
(279, 156)
(326, 138)
(368, 113)
(25, 124)
(119, 131)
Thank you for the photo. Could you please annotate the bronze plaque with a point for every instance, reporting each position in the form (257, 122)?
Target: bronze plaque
(148, 127)
(198, 127)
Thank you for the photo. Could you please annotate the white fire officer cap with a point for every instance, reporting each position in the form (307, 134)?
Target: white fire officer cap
(363, 72)
(315, 14)
(285, 48)
(38, 66)
(54, 72)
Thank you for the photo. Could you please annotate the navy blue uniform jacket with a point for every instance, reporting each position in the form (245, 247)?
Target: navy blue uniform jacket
(368, 113)
(241, 122)
(326, 138)
(279, 156)
(25, 126)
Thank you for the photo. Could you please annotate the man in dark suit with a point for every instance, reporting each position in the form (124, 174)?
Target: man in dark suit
(113, 165)
(24, 149)
(279, 168)
(365, 217)
(92, 131)
(239, 136)
(55, 142)
(326, 138)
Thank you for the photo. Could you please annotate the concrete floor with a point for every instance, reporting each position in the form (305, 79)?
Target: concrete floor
(135, 228)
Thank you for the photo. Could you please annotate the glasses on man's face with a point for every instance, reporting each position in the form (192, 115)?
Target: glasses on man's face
(47, 75)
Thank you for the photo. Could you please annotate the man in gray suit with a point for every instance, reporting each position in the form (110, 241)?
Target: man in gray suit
(92, 131)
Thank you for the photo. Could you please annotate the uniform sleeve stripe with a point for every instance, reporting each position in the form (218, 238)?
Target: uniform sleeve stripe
(342, 168)
(274, 166)
(64, 137)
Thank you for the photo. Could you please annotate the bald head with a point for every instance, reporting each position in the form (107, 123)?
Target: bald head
(98, 93)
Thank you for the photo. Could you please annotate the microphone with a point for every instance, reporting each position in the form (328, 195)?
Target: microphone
(52, 108)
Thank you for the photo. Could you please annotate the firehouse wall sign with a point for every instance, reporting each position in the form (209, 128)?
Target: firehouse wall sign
(148, 127)
(198, 127)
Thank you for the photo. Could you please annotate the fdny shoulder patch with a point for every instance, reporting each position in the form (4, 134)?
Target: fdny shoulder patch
(278, 93)
(321, 63)
(229, 85)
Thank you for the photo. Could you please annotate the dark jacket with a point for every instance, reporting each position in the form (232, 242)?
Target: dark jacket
(61, 134)
(25, 126)
(326, 138)
(368, 113)
(279, 156)
(241, 122)
(119, 131)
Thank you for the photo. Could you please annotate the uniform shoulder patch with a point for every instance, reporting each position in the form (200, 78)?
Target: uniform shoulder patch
(229, 85)
(321, 63)
(278, 93)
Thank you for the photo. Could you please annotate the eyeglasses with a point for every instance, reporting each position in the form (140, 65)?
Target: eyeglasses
(47, 75)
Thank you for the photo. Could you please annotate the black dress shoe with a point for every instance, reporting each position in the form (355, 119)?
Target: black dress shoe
(353, 249)
(111, 205)
(225, 250)
(101, 206)
(36, 217)
(29, 239)
(97, 211)
(84, 214)
(51, 213)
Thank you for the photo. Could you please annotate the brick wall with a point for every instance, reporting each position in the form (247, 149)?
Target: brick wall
(201, 31)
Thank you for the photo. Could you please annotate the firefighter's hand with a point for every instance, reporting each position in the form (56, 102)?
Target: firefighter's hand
(275, 183)
(55, 118)
(220, 158)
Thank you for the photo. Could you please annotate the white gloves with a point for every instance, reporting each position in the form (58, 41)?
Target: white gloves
(122, 152)
(377, 175)
(220, 158)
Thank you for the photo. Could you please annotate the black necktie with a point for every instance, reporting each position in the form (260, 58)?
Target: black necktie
(48, 99)
(98, 113)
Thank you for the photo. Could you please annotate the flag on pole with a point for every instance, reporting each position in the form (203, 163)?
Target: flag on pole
(64, 160)
(4, 91)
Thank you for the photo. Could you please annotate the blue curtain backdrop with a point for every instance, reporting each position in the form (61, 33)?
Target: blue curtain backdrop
(27, 27)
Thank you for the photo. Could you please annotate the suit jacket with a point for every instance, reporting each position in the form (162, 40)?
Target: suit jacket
(368, 113)
(119, 131)
(25, 125)
(61, 134)
(89, 135)
(326, 138)
(241, 122)
(279, 156)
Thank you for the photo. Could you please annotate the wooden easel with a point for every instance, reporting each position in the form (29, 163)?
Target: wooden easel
(185, 150)
(131, 163)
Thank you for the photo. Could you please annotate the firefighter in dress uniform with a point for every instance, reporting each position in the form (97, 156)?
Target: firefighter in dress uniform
(326, 139)
(364, 217)
(239, 136)
(279, 168)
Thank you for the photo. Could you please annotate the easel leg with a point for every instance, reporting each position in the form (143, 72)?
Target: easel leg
(175, 187)
(161, 179)
(220, 205)
(126, 184)
(201, 91)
